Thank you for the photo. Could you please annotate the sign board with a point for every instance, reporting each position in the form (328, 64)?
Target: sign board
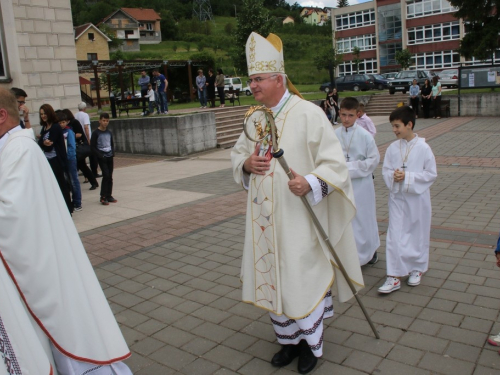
(479, 76)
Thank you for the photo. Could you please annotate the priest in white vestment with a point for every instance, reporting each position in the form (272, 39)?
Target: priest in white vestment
(362, 158)
(53, 311)
(287, 268)
(409, 171)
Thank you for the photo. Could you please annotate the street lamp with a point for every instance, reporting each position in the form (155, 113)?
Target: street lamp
(95, 63)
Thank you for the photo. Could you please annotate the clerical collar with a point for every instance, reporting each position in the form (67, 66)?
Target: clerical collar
(281, 102)
(413, 139)
(350, 128)
(6, 136)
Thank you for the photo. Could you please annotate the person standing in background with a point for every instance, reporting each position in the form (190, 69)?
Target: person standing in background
(24, 111)
(161, 91)
(219, 83)
(414, 92)
(84, 119)
(211, 87)
(201, 83)
(143, 83)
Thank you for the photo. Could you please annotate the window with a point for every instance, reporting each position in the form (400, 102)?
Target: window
(356, 19)
(128, 33)
(92, 83)
(367, 66)
(149, 26)
(364, 42)
(4, 71)
(389, 22)
(387, 53)
(474, 61)
(434, 33)
(437, 60)
(420, 8)
(91, 56)
(91, 36)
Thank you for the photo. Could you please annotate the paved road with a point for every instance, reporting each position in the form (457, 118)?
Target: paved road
(168, 257)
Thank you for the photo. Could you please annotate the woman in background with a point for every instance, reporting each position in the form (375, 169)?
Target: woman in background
(219, 83)
(436, 96)
(426, 97)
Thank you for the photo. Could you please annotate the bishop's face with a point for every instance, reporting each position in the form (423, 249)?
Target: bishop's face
(267, 88)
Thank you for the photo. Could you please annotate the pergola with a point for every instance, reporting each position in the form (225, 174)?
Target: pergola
(124, 67)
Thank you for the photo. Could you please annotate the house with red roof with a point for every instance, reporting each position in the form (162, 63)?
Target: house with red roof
(149, 24)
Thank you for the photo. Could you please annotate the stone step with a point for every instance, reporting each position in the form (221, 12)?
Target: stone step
(228, 132)
(229, 125)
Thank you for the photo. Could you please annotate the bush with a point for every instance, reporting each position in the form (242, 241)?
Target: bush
(229, 28)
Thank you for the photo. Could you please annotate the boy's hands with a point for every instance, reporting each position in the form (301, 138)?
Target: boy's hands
(498, 259)
(399, 176)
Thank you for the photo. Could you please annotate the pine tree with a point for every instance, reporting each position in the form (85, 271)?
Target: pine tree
(252, 17)
(482, 28)
(342, 3)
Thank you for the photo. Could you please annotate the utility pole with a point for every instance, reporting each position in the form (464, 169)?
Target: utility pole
(202, 10)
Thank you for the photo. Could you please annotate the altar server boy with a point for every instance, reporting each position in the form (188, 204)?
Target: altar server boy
(409, 171)
(362, 157)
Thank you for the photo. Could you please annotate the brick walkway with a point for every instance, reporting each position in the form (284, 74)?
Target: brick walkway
(172, 275)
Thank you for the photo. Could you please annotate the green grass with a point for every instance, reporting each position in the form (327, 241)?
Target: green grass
(471, 91)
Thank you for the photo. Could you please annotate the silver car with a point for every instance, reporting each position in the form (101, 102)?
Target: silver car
(449, 77)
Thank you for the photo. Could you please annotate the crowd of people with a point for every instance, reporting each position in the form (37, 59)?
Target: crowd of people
(205, 87)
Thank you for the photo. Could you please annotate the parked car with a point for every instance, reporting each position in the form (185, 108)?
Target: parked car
(379, 81)
(404, 79)
(233, 83)
(354, 82)
(247, 91)
(390, 76)
(431, 74)
(449, 77)
(325, 87)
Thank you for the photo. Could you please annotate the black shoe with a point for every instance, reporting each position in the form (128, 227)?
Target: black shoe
(93, 187)
(111, 199)
(285, 356)
(307, 360)
(98, 175)
(374, 259)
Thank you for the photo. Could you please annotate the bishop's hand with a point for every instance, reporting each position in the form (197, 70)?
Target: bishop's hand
(256, 164)
(298, 185)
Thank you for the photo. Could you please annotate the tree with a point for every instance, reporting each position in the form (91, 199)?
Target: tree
(169, 28)
(342, 3)
(404, 58)
(252, 17)
(115, 42)
(328, 58)
(355, 52)
(482, 28)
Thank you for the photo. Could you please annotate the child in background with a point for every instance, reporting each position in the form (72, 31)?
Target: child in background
(409, 171)
(70, 140)
(151, 96)
(362, 157)
(102, 146)
(365, 122)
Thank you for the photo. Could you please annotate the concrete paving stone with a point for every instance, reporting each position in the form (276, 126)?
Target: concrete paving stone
(455, 285)
(180, 278)
(495, 283)
(353, 324)
(464, 352)
(199, 346)
(327, 368)
(130, 286)
(247, 310)
(224, 371)
(229, 270)
(446, 365)
(130, 318)
(167, 299)
(257, 366)
(115, 279)
(378, 303)
(147, 346)
(220, 258)
(388, 367)
(484, 291)
(200, 367)
(146, 267)
(166, 271)
(408, 298)
(227, 357)
(440, 274)
(157, 259)
(463, 336)
(161, 284)
(187, 323)
(188, 307)
(424, 290)
(116, 308)
(425, 327)
(200, 284)
(263, 349)
(128, 272)
(165, 315)
(407, 310)
(236, 323)
(209, 264)
(474, 324)
(239, 341)
(211, 314)
(137, 362)
(369, 344)
(449, 260)
(143, 278)
(432, 282)
(355, 311)
(476, 311)
(465, 270)
(173, 336)
(192, 270)
(126, 299)
(224, 303)
(221, 290)
(150, 326)
(131, 335)
(201, 297)
(212, 276)
(110, 291)
(391, 319)
(172, 357)
(490, 273)
(335, 353)
(405, 355)
(451, 295)
(263, 331)
(362, 361)
(213, 332)
(441, 317)
(481, 370)
(492, 303)
(424, 342)
(474, 263)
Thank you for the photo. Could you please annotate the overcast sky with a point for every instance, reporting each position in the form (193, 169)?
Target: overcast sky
(323, 3)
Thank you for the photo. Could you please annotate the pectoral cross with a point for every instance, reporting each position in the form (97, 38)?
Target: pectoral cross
(347, 157)
(404, 166)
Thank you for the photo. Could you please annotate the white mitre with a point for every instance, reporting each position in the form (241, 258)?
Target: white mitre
(266, 56)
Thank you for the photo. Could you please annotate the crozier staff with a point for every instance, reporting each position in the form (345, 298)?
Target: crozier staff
(287, 269)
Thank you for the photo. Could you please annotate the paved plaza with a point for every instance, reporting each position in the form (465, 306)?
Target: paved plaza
(168, 257)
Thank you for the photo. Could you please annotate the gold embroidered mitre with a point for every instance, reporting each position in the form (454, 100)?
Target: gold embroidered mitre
(265, 55)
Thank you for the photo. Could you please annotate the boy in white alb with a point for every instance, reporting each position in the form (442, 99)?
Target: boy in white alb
(362, 158)
(409, 171)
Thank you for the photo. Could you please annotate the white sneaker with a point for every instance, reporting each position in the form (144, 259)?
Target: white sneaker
(414, 278)
(390, 285)
(335, 123)
(494, 340)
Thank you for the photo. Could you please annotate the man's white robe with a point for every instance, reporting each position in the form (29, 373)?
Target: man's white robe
(363, 160)
(410, 210)
(286, 267)
(45, 260)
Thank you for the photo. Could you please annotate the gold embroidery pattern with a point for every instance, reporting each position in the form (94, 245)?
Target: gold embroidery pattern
(252, 49)
(265, 66)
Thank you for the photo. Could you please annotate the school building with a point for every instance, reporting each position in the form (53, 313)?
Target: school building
(380, 28)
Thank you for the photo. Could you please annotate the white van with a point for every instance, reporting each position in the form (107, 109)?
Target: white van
(233, 83)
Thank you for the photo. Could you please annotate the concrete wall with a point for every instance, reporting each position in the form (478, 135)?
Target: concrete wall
(171, 135)
(481, 104)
